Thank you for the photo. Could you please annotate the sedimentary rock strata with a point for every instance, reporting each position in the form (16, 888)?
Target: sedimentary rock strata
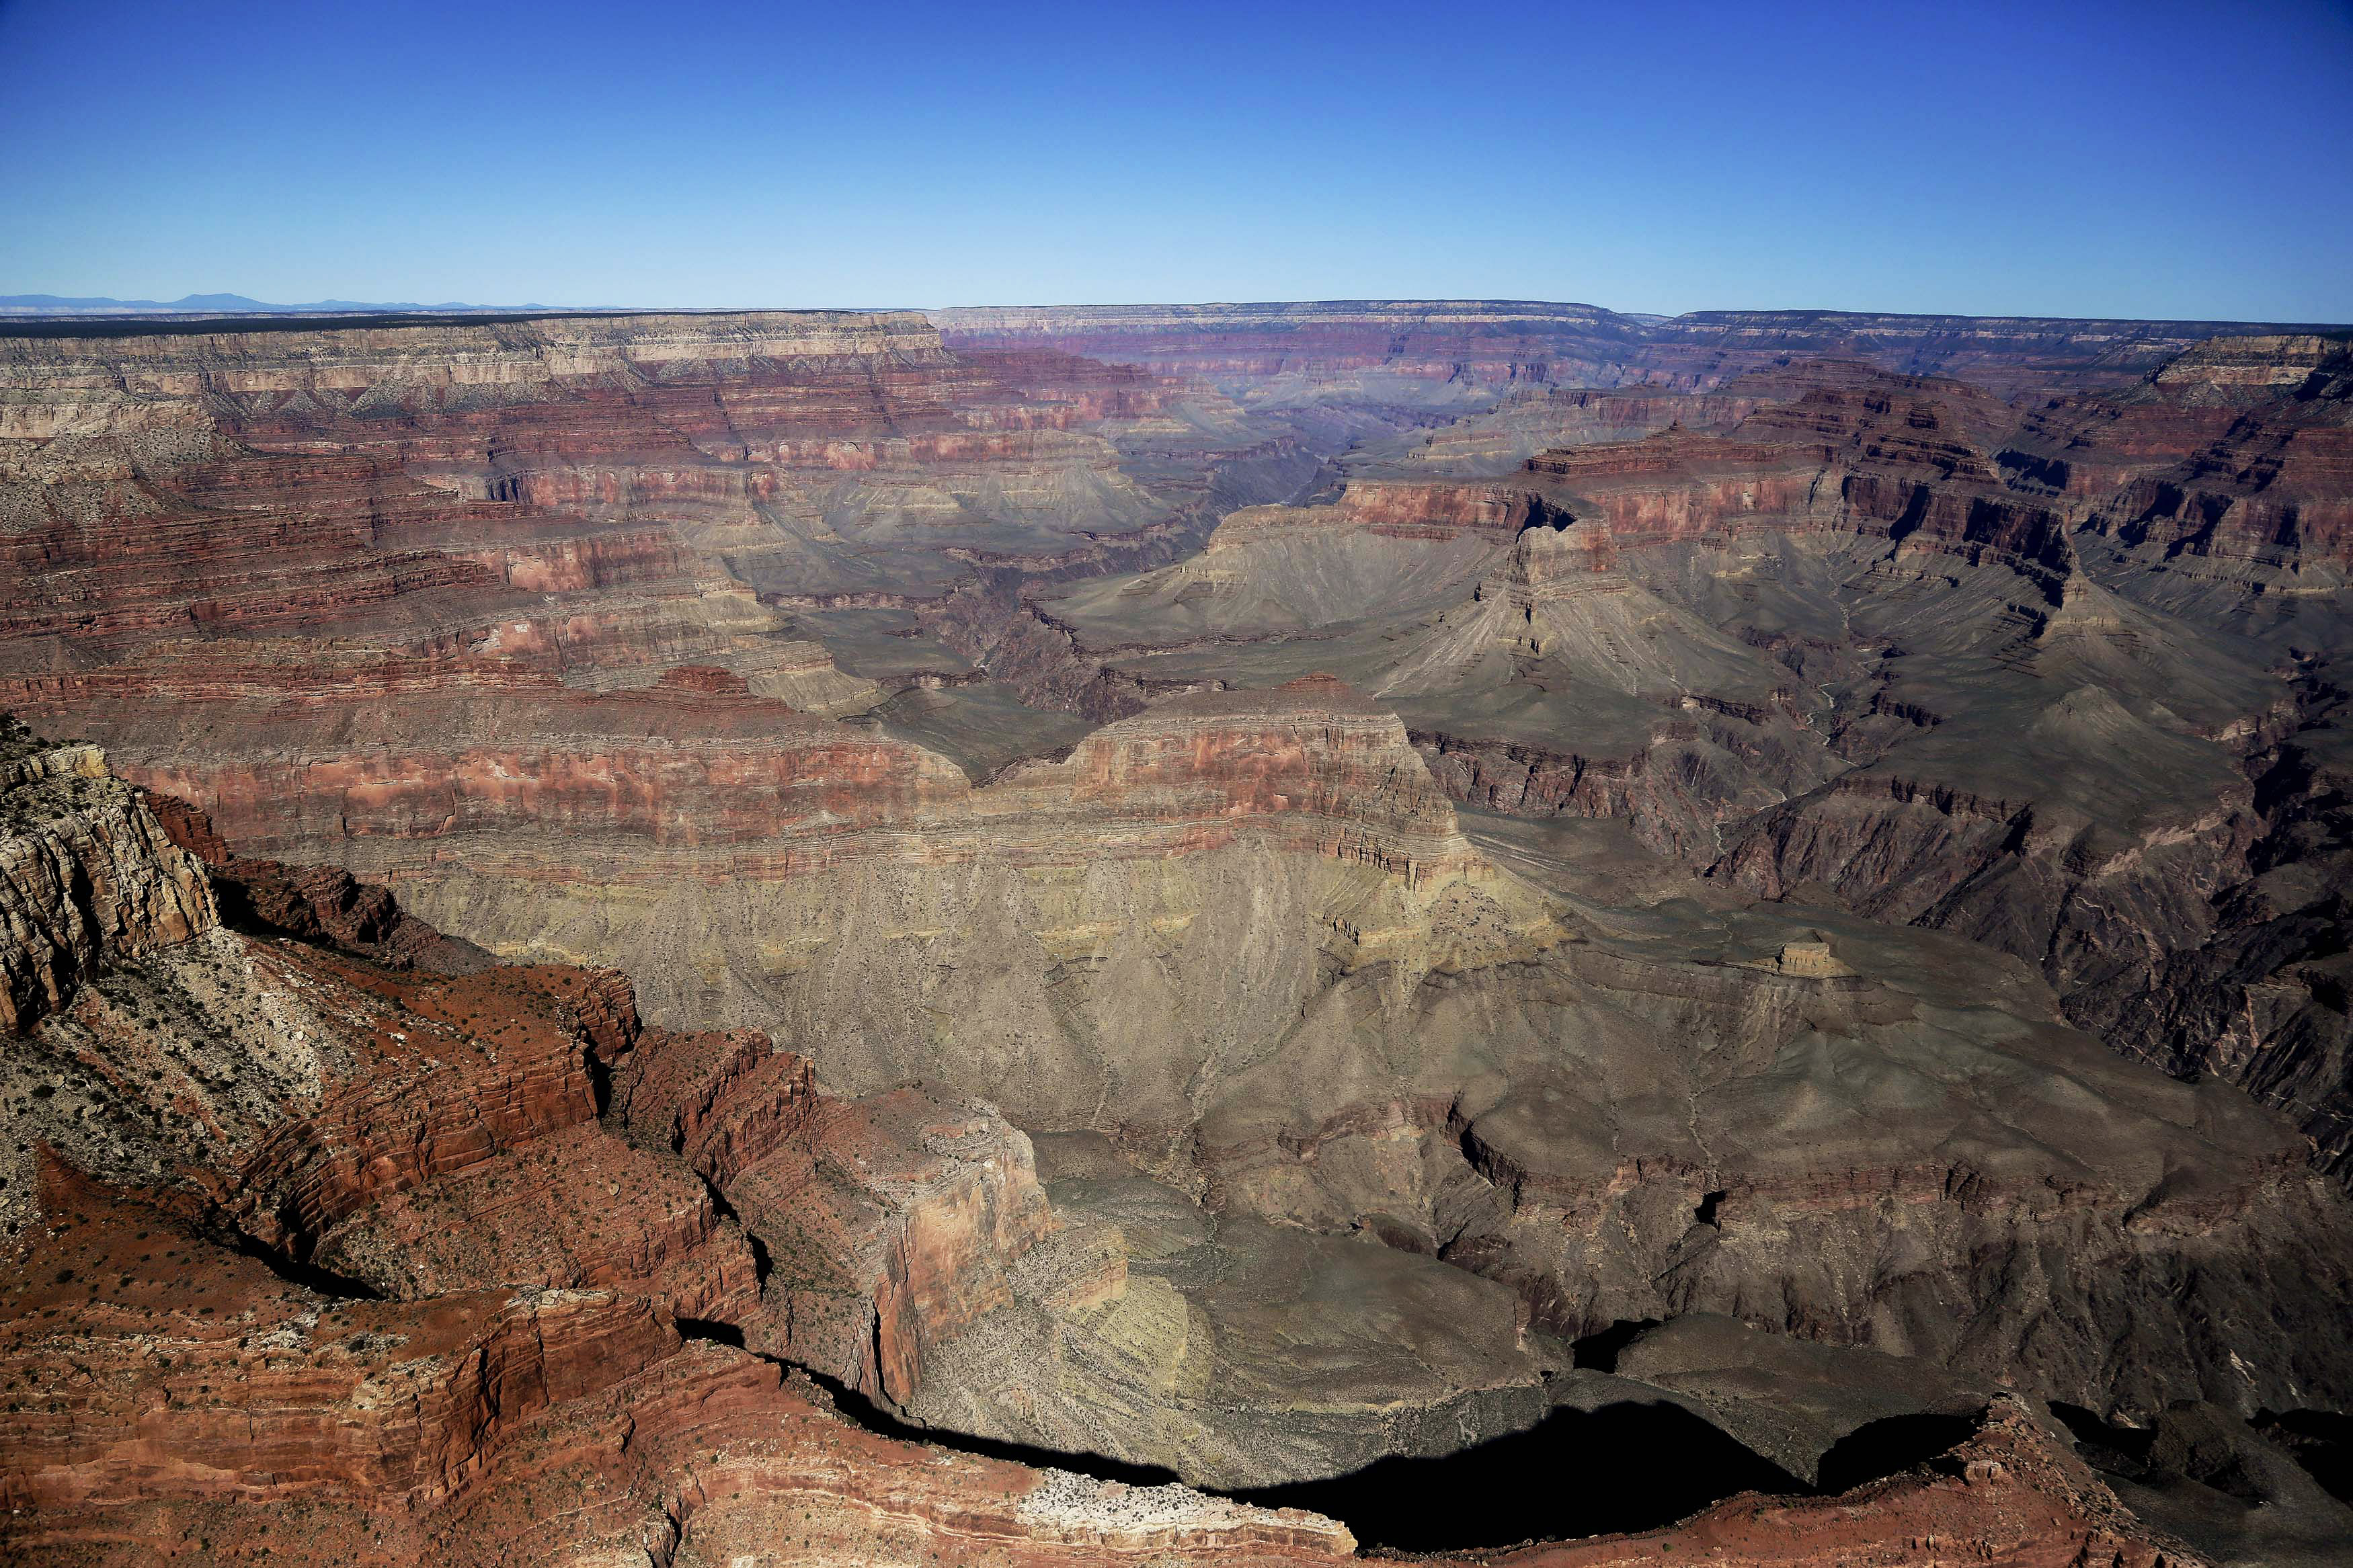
(1410, 344)
(355, 1265)
(1225, 895)
(82, 873)
(493, 1368)
(1889, 642)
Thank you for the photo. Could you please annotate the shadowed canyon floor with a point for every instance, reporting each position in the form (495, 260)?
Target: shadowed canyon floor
(1336, 905)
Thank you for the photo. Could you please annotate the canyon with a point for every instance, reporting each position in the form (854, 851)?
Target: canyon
(1133, 934)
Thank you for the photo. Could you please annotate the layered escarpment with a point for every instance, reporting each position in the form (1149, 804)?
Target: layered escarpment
(757, 866)
(1361, 1116)
(1263, 883)
(314, 1256)
(2223, 472)
(1876, 640)
(1313, 344)
(1532, 420)
(597, 500)
(548, 530)
(1309, 349)
(382, 1262)
(2010, 355)
(1820, 448)
(280, 476)
(358, 1269)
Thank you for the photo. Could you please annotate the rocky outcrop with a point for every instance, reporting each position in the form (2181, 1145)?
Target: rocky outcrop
(207, 1404)
(85, 873)
(886, 1228)
(2010, 1493)
(356, 1250)
(1674, 789)
(321, 904)
(1401, 509)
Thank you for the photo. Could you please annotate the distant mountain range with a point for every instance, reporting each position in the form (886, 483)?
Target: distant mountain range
(212, 304)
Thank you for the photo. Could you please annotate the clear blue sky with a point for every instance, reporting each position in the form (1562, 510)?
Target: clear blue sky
(2055, 158)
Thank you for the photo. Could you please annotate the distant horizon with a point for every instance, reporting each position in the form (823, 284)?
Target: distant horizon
(69, 307)
(2169, 160)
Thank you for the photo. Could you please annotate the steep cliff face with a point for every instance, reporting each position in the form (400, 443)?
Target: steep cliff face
(2263, 509)
(339, 1116)
(224, 1411)
(345, 1257)
(2010, 355)
(84, 873)
(1342, 350)
(2220, 478)
(378, 478)
(795, 872)
(885, 1228)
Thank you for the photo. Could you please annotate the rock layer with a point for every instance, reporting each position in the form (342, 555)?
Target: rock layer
(392, 1287)
(1361, 1119)
(83, 874)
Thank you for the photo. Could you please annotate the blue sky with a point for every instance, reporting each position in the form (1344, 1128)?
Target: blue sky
(2056, 159)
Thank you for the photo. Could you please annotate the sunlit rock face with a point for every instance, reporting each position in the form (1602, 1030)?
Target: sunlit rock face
(1234, 895)
(2050, 676)
(347, 1258)
(397, 1193)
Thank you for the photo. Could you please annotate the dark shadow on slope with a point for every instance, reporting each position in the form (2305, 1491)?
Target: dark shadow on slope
(2319, 1440)
(864, 1412)
(1599, 1352)
(1628, 1465)
(294, 1271)
(713, 1331)
(2111, 1449)
(1889, 1446)
(1624, 1466)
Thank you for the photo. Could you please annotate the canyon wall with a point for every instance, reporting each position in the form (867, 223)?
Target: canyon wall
(377, 1281)
(1227, 887)
(1885, 642)
(1576, 345)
